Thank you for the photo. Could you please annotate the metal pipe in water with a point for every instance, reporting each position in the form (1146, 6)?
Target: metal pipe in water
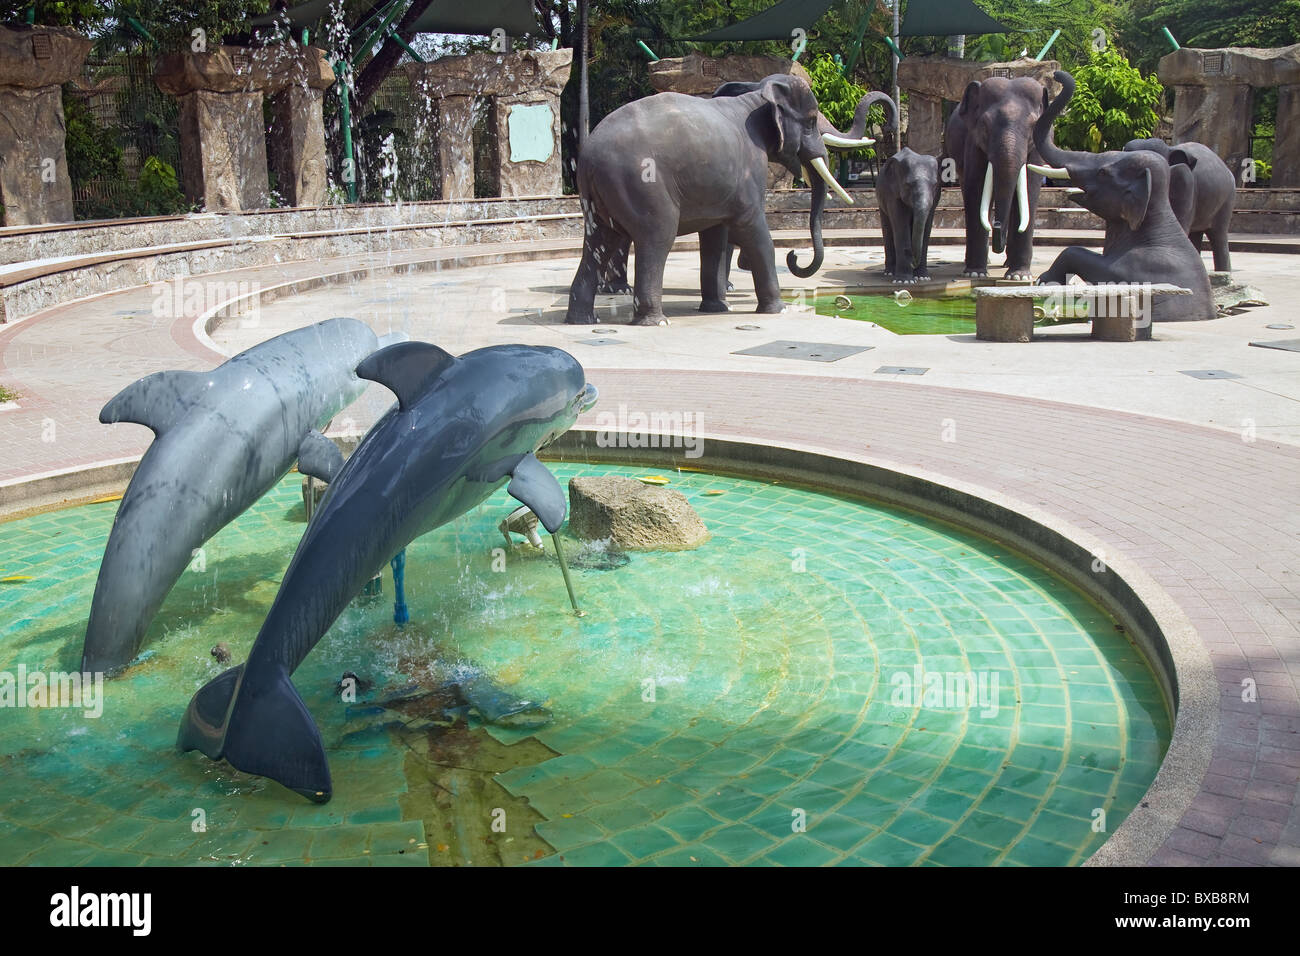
(568, 584)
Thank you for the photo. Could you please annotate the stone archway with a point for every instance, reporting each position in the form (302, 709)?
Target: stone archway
(1213, 96)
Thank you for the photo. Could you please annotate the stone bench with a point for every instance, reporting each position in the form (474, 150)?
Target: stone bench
(1006, 313)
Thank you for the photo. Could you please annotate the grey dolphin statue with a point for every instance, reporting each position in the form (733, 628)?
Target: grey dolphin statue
(222, 440)
(462, 428)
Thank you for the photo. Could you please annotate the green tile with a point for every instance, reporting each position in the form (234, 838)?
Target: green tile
(644, 841)
(689, 823)
(800, 850)
(956, 851)
(884, 849)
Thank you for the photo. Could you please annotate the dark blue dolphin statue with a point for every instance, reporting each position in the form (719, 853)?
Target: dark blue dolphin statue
(462, 428)
(223, 438)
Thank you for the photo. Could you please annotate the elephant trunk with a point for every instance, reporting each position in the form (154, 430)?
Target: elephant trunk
(922, 207)
(1055, 157)
(855, 136)
(1005, 182)
(815, 228)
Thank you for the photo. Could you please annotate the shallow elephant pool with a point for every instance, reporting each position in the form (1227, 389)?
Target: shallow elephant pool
(768, 698)
(917, 311)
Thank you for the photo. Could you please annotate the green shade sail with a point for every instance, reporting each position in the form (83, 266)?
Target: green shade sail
(941, 18)
(775, 23)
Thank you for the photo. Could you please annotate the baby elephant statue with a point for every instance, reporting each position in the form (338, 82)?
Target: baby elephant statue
(907, 190)
(670, 164)
(1144, 241)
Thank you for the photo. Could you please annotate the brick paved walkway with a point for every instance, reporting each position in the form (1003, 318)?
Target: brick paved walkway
(1210, 517)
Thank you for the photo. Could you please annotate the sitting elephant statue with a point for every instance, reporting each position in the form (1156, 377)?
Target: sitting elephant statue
(990, 137)
(1206, 209)
(671, 164)
(907, 190)
(1144, 241)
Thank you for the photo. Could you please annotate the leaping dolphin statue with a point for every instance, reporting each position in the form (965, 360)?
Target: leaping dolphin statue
(462, 428)
(222, 440)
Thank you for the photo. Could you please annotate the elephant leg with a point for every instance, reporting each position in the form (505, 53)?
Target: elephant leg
(648, 289)
(1218, 234)
(1092, 267)
(887, 231)
(715, 257)
(582, 293)
(614, 278)
(904, 258)
(731, 247)
(1020, 245)
(1196, 240)
(760, 255)
(977, 240)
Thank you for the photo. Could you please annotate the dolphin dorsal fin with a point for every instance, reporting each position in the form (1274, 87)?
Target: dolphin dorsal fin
(406, 369)
(155, 401)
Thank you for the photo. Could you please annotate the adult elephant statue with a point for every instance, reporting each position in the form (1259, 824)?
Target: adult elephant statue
(990, 136)
(1144, 241)
(1214, 192)
(672, 164)
(907, 191)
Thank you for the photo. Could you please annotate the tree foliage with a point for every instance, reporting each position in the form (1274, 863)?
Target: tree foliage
(1112, 104)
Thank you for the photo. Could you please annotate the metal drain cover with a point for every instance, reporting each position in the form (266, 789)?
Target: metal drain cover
(901, 370)
(1286, 345)
(805, 351)
(604, 331)
(1280, 327)
(602, 341)
(1210, 373)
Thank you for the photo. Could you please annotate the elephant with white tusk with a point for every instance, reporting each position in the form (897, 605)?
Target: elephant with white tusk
(990, 137)
(670, 165)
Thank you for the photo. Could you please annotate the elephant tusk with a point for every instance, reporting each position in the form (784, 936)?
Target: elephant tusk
(1074, 191)
(1051, 172)
(986, 198)
(819, 164)
(1022, 194)
(844, 142)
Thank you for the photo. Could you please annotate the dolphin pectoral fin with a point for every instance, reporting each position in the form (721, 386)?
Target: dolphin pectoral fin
(155, 401)
(405, 369)
(319, 457)
(268, 732)
(535, 486)
(497, 706)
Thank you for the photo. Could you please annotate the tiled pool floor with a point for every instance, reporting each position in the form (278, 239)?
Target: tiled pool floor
(753, 701)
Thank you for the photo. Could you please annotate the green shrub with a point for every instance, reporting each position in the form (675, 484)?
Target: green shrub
(1112, 104)
(837, 97)
(159, 192)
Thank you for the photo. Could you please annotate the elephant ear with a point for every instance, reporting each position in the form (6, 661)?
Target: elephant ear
(970, 102)
(1136, 199)
(1181, 157)
(735, 88)
(770, 96)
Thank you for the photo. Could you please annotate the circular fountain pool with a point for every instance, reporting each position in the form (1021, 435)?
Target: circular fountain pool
(824, 681)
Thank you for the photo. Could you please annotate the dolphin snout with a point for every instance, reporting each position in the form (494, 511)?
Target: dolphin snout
(587, 398)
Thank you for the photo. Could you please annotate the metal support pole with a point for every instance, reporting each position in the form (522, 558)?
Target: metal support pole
(341, 70)
(1048, 45)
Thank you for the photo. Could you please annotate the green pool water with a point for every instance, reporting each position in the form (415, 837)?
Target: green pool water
(737, 704)
(919, 315)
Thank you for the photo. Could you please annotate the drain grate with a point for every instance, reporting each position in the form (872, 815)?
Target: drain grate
(901, 370)
(805, 351)
(1209, 373)
(602, 341)
(1286, 345)
(1280, 326)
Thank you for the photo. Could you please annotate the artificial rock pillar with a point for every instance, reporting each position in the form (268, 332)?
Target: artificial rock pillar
(296, 80)
(524, 89)
(925, 124)
(223, 140)
(1286, 138)
(34, 64)
(456, 146)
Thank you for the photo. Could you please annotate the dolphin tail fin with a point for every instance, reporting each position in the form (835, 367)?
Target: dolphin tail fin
(268, 732)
